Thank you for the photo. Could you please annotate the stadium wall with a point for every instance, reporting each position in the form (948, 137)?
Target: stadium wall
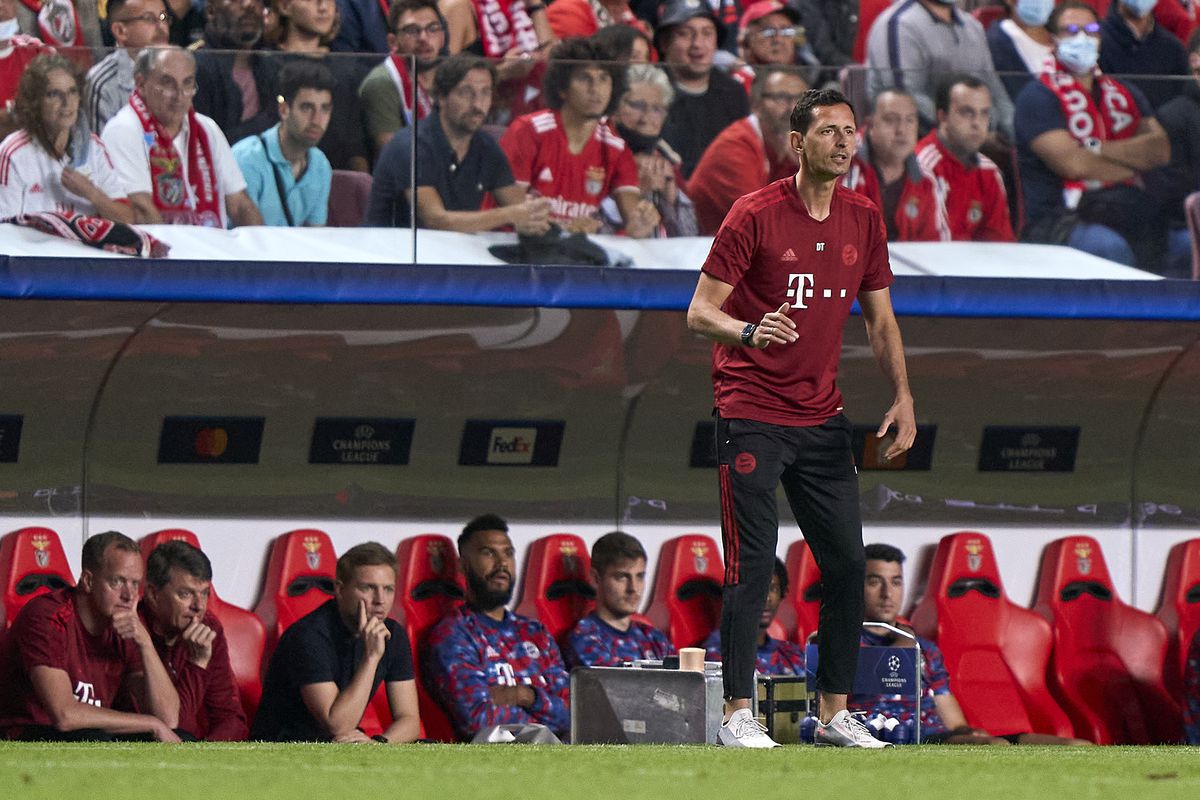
(181, 396)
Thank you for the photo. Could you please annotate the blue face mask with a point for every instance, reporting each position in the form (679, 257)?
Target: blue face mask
(1140, 8)
(1034, 12)
(1079, 53)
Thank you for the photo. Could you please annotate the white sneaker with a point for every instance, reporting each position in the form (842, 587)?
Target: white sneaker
(846, 731)
(743, 730)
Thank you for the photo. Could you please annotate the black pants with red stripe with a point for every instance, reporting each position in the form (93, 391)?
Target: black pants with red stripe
(815, 465)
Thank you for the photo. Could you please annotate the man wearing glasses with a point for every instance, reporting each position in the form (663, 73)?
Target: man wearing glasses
(389, 101)
(176, 163)
(135, 24)
(751, 152)
(773, 33)
(1083, 142)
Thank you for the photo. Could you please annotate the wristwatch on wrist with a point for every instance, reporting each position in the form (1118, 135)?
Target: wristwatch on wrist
(748, 332)
(1092, 144)
(379, 737)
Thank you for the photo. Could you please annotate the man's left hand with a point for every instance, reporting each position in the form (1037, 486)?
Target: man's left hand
(901, 415)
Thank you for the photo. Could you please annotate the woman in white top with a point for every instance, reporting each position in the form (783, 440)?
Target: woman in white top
(52, 163)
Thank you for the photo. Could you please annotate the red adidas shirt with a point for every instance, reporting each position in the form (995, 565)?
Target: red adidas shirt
(771, 251)
(48, 632)
(540, 155)
(23, 50)
(976, 201)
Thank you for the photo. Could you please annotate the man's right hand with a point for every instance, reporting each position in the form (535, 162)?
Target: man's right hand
(775, 327)
(353, 737)
(373, 633)
(532, 216)
(199, 638)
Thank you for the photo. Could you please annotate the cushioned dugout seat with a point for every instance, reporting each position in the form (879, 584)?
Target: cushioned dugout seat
(1106, 669)
(300, 576)
(32, 562)
(804, 594)
(686, 600)
(243, 630)
(995, 651)
(429, 584)
(556, 588)
(1180, 609)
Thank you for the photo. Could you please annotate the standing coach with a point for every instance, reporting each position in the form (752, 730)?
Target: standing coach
(774, 294)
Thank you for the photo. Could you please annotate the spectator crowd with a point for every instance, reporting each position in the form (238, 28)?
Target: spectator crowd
(1068, 123)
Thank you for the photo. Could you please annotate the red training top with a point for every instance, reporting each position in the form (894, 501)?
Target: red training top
(209, 707)
(48, 632)
(771, 251)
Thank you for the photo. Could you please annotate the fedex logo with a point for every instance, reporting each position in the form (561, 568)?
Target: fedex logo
(800, 289)
(511, 445)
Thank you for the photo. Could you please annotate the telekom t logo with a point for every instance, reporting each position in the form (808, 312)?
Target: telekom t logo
(800, 288)
(86, 693)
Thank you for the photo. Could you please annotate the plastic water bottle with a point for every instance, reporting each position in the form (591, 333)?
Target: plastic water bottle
(807, 727)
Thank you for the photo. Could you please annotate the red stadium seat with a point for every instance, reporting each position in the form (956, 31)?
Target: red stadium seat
(428, 586)
(686, 600)
(300, 575)
(349, 194)
(805, 590)
(1107, 666)
(995, 651)
(1180, 609)
(32, 562)
(990, 15)
(556, 588)
(243, 630)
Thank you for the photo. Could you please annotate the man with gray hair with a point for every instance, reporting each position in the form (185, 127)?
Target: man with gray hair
(176, 164)
(191, 642)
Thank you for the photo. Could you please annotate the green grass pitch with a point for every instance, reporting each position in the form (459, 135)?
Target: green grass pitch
(525, 772)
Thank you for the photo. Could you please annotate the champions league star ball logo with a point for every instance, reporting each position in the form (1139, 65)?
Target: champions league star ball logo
(436, 560)
(313, 545)
(567, 551)
(1083, 557)
(893, 664)
(41, 549)
(974, 554)
(700, 556)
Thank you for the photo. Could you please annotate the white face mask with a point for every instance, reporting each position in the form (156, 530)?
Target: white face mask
(1140, 8)
(1079, 53)
(9, 28)
(1034, 12)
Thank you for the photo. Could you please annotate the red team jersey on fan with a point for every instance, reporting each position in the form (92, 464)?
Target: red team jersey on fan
(48, 632)
(771, 251)
(537, 148)
(976, 202)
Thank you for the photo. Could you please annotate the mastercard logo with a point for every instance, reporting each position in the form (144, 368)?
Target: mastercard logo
(211, 442)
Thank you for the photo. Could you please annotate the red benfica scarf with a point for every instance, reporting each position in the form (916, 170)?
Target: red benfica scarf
(397, 67)
(58, 22)
(192, 202)
(503, 25)
(1117, 116)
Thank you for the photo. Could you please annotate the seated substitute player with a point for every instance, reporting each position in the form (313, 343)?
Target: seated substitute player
(71, 653)
(942, 718)
(773, 656)
(329, 664)
(191, 642)
(483, 663)
(610, 636)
